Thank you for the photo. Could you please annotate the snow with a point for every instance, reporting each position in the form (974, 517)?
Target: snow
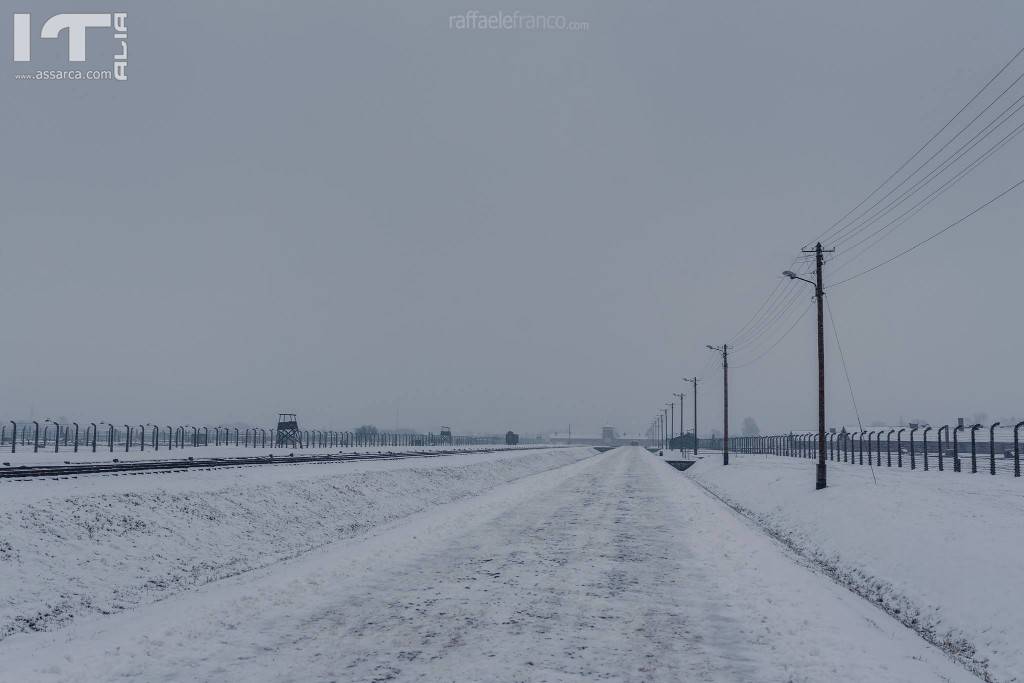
(613, 567)
(100, 544)
(25, 456)
(942, 551)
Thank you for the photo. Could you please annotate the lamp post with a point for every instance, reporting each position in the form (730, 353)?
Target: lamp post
(819, 295)
(681, 431)
(671, 421)
(693, 380)
(724, 350)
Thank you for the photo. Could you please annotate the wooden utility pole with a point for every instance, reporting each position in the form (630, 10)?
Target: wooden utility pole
(724, 349)
(693, 380)
(819, 292)
(681, 432)
(819, 295)
(671, 421)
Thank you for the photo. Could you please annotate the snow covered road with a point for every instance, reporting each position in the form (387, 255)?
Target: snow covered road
(613, 568)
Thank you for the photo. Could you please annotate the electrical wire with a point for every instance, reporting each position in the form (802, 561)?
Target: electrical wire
(777, 341)
(956, 156)
(765, 326)
(846, 371)
(933, 235)
(842, 357)
(917, 208)
(827, 233)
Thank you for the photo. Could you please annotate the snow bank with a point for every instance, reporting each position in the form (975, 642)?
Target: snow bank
(46, 456)
(100, 544)
(942, 552)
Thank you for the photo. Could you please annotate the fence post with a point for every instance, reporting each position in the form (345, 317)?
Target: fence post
(913, 460)
(992, 448)
(956, 448)
(938, 437)
(924, 444)
(974, 449)
(1016, 450)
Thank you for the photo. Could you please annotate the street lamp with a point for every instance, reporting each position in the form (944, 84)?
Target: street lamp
(724, 350)
(819, 295)
(681, 432)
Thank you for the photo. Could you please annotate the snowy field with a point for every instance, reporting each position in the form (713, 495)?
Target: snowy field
(942, 552)
(612, 567)
(25, 456)
(100, 544)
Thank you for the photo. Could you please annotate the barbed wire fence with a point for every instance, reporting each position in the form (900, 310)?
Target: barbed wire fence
(52, 436)
(987, 449)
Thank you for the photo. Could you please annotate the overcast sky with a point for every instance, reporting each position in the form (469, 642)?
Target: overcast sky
(349, 210)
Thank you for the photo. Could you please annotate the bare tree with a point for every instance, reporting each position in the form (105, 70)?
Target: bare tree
(366, 431)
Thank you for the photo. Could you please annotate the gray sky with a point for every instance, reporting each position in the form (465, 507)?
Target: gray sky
(341, 209)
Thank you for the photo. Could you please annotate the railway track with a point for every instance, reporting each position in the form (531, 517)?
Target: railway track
(181, 465)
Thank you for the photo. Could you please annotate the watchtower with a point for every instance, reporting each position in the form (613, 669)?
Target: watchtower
(287, 430)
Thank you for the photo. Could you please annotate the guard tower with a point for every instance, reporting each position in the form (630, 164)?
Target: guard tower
(287, 430)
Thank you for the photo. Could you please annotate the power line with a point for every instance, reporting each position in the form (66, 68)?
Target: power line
(826, 233)
(900, 220)
(956, 156)
(779, 340)
(934, 235)
(782, 307)
(842, 357)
